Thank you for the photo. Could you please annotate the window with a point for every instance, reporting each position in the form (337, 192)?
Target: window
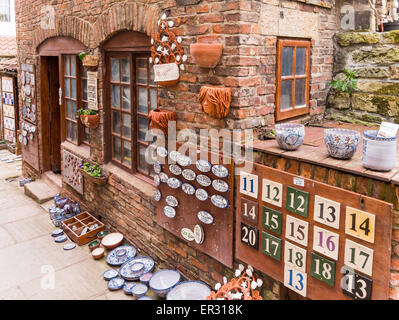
(133, 93)
(293, 73)
(4, 10)
(75, 97)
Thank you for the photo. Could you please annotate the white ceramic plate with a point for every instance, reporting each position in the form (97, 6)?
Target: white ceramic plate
(189, 290)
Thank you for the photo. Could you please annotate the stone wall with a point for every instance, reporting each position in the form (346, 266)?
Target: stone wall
(375, 59)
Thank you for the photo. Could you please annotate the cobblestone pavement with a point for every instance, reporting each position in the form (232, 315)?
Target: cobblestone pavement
(32, 265)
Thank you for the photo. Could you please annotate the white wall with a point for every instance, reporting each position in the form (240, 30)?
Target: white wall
(8, 28)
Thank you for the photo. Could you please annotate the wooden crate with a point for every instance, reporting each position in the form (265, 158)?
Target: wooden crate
(81, 221)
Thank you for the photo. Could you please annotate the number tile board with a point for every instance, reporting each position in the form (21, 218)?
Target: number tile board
(189, 216)
(320, 241)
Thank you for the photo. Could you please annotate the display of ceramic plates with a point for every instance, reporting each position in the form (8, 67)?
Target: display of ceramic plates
(69, 246)
(219, 201)
(157, 167)
(174, 183)
(25, 141)
(188, 189)
(110, 274)
(183, 160)
(220, 185)
(173, 155)
(139, 290)
(203, 165)
(120, 255)
(220, 171)
(188, 174)
(201, 194)
(205, 217)
(189, 290)
(187, 234)
(127, 270)
(157, 180)
(175, 169)
(112, 240)
(204, 180)
(145, 298)
(146, 277)
(162, 152)
(172, 201)
(116, 283)
(199, 234)
(163, 280)
(157, 195)
(57, 232)
(169, 212)
(61, 238)
(128, 286)
(163, 177)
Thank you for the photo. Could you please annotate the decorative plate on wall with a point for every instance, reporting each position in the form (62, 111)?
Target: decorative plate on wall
(219, 201)
(172, 201)
(157, 195)
(220, 185)
(175, 169)
(174, 183)
(203, 165)
(220, 171)
(169, 212)
(130, 273)
(201, 194)
(163, 177)
(188, 189)
(205, 217)
(183, 160)
(204, 180)
(188, 174)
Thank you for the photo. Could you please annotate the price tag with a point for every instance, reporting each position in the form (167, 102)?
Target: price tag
(355, 285)
(294, 256)
(249, 184)
(249, 235)
(327, 212)
(249, 211)
(358, 257)
(272, 192)
(295, 280)
(271, 246)
(323, 269)
(272, 220)
(296, 230)
(297, 201)
(360, 224)
(326, 242)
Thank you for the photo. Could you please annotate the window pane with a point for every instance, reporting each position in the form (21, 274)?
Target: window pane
(5, 11)
(127, 153)
(125, 70)
(117, 148)
(73, 66)
(152, 76)
(68, 108)
(142, 162)
(73, 88)
(126, 98)
(115, 69)
(153, 97)
(286, 95)
(84, 72)
(300, 60)
(300, 92)
(66, 65)
(67, 87)
(141, 67)
(286, 61)
(69, 129)
(74, 132)
(142, 99)
(116, 98)
(116, 122)
(74, 109)
(84, 89)
(143, 128)
(127, 125)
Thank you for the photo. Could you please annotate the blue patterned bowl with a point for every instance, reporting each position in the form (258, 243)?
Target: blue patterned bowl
(162, 281)
(289, 136)
(341, 143)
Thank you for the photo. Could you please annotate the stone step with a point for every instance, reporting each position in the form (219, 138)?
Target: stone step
(53, 180)
(40, 191)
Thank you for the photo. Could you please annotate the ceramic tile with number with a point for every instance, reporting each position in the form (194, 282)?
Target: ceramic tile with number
(294, 256)
(249, 211)
(272, 220)
(360, 224)
(355, 285)
(322, 268)
(296, 230)
(249, 184)
(249, 235)
(326, 242)
(295, 280)
(297, 201)
(359, 257)
(327, 212)
(272, 192)
(271, 246)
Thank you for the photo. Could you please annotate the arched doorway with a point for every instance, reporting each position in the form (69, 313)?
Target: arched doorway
(59, 70)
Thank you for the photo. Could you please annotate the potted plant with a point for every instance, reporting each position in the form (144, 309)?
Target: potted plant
(93, 173)
(88, 117)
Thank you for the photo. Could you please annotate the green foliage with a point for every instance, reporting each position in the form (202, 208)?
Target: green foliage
(82, 55)
(87, 112)
(92, 169)
(348, 84)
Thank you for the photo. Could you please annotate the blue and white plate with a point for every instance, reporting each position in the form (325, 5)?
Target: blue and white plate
(62, 238)
(145, 298)
(189, 290)
(139, 290)
(127, 288)
(163, 280)
(120, 255)
(174, 183)
(203, 165)
(110, 274)
(188, 189)
(69, 246)
(116, 283)
(220, 171)
(219, 201)
(175, 169)
(157, 195)
(204, 180)
(130, 273)
(57, 232)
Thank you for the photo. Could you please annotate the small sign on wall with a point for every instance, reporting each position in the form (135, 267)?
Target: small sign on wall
(92, 90)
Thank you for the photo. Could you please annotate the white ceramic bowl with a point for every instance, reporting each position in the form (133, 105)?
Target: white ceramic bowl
(139, 290)
(112, 240)
(189, 290)
(162, 281)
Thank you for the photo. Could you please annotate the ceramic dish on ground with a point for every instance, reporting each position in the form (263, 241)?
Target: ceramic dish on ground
(129, 269)
(128, 286)
(94, 245)
(146, 277)
(116, 283)
(110, 274)
(163, 280)
(69, 246)
(112, 240)
(139, 290)
(341, 143)
(102, 234)
(189, 290)
(61, 238)
(120, 255)
(145, 298)
(98, 253)
(57, 232)
(289, 136)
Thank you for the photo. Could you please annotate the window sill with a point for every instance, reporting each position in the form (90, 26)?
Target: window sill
(137, 181)
(82, 150)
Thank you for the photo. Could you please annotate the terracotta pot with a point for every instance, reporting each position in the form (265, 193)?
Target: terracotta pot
(112, 240)
(90, 121)
(167, 74)
(159, 119)
(206, 55)
(101, 181)
(215, 101)
(98, 253)
(90, 62)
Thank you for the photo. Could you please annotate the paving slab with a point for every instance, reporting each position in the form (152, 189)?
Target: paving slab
(40, 191)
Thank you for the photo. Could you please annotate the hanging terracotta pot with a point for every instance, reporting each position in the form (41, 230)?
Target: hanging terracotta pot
(215, 101)
(206, 55)
(166, 75)
(159, 119)
(90, 121)
(90, 62)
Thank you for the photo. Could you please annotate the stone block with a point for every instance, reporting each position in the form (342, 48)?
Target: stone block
(349, 38)
(373, 72)
(338, 100)
(376, 55)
